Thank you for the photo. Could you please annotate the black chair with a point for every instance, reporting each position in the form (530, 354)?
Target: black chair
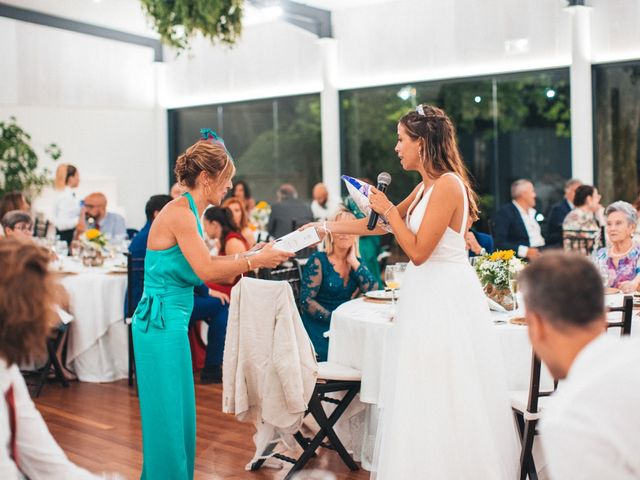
(53, 344)
(627, 315)
(527, 408)
(290, 271)
(40, 228)
(580, 241)
(332, 378)
(135, 286)
(131, 232)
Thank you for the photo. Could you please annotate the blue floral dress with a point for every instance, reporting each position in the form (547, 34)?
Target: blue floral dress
(322, 291)
(628, 266)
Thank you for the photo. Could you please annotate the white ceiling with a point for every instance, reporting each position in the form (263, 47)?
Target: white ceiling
(127, 15)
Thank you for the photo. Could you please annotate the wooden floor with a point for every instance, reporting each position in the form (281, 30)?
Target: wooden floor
(98, 426)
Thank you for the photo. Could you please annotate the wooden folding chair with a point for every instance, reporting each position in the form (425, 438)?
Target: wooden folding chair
(53, 343)
(135, 286)
(627, 315)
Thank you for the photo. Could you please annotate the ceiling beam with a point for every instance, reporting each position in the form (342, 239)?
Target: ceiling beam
(39, 18)
(311, 19)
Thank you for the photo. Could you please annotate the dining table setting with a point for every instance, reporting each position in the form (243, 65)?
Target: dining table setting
(97, 344)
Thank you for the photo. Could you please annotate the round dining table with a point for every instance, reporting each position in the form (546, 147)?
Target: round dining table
(97, 344)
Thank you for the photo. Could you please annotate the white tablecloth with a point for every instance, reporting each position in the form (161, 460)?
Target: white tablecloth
(357, 339)
(97, 347)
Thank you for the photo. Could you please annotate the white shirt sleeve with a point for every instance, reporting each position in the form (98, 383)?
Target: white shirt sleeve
(522, 251)
(40, 457)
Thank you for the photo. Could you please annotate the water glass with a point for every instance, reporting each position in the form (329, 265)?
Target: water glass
(61, 248)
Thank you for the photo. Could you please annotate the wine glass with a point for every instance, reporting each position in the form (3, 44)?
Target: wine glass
(392, 280)
(513, 288)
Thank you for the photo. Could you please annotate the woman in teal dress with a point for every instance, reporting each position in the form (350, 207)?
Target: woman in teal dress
(177, 260)
(329, 279)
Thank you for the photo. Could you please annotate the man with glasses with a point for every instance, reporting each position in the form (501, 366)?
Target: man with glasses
(94, 215)
(17, 223)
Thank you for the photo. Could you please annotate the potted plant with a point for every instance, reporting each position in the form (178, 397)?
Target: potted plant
(178, 21)
(19, 162)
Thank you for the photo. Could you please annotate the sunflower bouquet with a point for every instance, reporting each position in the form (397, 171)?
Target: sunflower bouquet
(93, 243)
(260, 215)
(496, 272)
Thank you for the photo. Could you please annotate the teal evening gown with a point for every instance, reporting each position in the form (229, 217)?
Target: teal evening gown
(163, 363)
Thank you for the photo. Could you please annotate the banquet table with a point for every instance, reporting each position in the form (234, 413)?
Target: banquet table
(97, 345)
(357, 337)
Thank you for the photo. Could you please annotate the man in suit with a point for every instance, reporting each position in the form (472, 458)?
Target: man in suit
(288, 213)
(516, 227)
(558, 212)
(208, 305)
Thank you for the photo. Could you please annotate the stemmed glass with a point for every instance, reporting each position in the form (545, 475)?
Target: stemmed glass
(392, 279)
(513, 289)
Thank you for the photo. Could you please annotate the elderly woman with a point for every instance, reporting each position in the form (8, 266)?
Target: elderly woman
(329, 279)
(620, 262)
(17, 222)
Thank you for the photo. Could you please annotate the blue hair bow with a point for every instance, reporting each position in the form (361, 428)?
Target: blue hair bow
(211, 136)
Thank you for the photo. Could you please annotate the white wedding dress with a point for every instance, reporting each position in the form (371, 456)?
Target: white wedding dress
(445, 406)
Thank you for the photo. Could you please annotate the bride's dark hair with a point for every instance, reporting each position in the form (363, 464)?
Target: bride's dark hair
(439, 147)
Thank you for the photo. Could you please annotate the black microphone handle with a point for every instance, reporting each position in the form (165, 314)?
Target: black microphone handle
(373, 216)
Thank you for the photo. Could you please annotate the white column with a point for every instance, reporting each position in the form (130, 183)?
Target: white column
(330, 118)
(581, 95)
(162, 137)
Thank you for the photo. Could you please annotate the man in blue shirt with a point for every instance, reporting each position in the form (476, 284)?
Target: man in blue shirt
(94, 215)
(208, 305)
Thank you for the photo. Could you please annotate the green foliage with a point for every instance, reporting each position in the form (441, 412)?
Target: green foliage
(19, 162)
(178, 21)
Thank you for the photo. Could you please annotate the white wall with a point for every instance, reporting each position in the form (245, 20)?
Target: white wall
(95, 98)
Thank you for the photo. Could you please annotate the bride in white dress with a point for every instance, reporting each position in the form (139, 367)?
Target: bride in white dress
(445, 406)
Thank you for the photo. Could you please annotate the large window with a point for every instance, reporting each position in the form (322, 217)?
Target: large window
(509, 127)
(272, 141)
(617, 130)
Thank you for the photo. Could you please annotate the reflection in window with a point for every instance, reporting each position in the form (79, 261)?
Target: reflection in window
(617, 114)
(272, 141)
(509, 127)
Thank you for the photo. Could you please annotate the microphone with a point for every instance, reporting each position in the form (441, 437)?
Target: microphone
(384, 179)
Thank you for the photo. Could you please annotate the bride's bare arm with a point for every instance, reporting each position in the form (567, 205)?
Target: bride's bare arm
(444, 201)
(359, 227)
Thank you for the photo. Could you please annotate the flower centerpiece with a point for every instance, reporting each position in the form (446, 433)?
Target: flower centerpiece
(496, 272)
(93, 243)
(260, 216)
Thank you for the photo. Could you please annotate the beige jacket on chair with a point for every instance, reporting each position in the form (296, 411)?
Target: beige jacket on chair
(269, 367)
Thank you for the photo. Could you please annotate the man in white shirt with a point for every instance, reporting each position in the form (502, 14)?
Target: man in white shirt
(322, 206)
(516, 227)
(589, 429)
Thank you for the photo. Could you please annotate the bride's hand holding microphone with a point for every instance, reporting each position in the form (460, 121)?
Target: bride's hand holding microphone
(379, 202)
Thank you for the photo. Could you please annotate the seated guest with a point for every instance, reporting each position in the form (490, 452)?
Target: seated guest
(558, 212)
(27, 449)
(13, 201)
(219, 224)
(329, 279)
(620, 262)
(96, 216)
(288, 213)
(17, 223)
(516, 227)
(240, 190)
(583, 219)
(589, 428)
(322, 206)
(241, 219)
(478, 243)
(208, 305)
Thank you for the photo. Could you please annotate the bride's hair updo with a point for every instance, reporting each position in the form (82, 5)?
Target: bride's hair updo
(439, 147)
(204, 156)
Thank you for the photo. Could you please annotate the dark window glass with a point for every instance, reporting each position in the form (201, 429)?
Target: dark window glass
(617, 122)
(272, 141)
(509, 127)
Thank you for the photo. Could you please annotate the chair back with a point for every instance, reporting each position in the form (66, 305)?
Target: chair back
(290, 271)
(40, 228)
(581, 241)
(627, 315)
(534, 385)
(135, 283)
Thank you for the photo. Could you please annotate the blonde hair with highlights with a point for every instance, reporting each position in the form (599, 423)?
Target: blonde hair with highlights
(204, 156)
(341, 214)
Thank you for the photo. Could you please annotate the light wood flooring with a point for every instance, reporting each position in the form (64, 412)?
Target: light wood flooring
(98, 426)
